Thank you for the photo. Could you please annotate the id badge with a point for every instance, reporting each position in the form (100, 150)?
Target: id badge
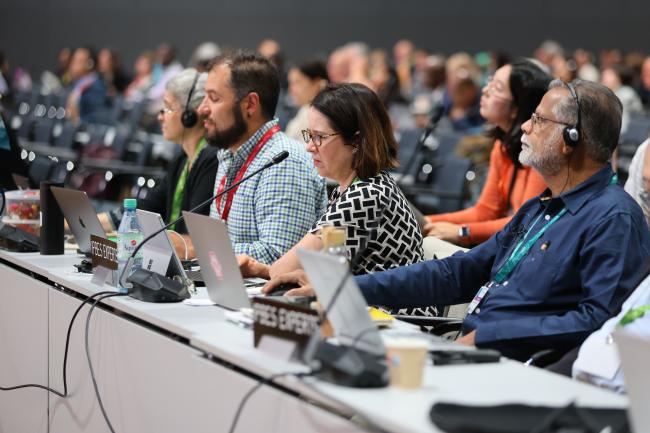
(478, 298)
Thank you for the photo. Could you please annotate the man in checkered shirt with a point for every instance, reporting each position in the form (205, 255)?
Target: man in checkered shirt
(270, 212)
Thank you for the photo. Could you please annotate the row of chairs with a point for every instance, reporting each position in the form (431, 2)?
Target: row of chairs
(51, 135)
(114, 149)
(435, 178)
(636, 132)
(37, 104)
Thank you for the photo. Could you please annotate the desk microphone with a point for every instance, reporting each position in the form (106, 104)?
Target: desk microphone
(151, 287)
(341, 364)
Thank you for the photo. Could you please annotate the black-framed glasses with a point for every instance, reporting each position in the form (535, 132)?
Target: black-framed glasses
(317, 139)
(536, 119)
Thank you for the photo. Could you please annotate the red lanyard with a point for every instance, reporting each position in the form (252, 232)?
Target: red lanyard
(242, 171)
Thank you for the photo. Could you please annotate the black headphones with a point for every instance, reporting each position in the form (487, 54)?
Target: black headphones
(189, 118)
(572, 134)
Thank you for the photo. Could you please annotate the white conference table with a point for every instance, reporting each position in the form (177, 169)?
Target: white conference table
(173, 367)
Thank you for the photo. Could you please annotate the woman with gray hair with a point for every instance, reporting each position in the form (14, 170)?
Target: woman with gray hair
(190, 175)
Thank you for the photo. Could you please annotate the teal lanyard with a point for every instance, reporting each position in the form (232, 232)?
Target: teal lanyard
(521, 249)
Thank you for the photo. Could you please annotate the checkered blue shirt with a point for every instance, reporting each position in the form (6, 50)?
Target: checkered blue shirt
(272, 211)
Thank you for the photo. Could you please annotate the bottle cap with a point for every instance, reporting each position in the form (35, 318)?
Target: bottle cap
(333, 236)
(130, 203)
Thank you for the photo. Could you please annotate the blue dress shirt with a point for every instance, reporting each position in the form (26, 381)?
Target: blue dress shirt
(572, 280)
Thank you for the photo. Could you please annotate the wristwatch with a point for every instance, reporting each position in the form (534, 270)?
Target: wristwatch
(463, 232)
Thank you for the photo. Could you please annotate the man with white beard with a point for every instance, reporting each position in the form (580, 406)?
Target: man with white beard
(568, 258)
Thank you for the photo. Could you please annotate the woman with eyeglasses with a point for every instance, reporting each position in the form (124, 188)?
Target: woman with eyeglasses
(351, 142)
(508, 100)
(190, 175)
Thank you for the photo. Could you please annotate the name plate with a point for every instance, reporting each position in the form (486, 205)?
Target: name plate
(282, 320)
(104, 252)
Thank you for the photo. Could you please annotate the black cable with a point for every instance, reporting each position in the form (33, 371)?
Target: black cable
(90, 365)
(257, 386)
(64, 394)
(4, 201)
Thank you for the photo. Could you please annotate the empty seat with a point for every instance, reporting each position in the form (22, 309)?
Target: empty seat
(43, 130)
(65, 139)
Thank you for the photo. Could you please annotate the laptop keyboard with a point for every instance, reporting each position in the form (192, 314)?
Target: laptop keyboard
(197, 277)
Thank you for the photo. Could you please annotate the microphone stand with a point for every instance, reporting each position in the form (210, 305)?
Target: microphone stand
(276, 160)
(431, 127)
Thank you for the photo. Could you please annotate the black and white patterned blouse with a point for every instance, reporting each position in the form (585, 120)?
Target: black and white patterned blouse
(379, 224)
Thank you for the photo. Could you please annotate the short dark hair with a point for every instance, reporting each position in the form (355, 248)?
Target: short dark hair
(250, 72)
(314, 69)
(528, 84)
(600, 116)
(355, 112)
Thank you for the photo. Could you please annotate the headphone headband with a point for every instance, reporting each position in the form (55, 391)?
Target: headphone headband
(189, 118)
(572, 133)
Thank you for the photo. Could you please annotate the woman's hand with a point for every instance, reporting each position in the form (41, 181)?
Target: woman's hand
(445, 231)
(297, 277)
(251, 268)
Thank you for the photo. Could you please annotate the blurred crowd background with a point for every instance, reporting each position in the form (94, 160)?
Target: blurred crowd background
(88, 114)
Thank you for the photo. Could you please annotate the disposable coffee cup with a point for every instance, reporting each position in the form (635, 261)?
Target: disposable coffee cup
(406, 358)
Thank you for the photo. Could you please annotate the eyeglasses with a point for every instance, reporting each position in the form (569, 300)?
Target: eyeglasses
(536, 120)
(492, 87)
(166, 110)
(317, 139)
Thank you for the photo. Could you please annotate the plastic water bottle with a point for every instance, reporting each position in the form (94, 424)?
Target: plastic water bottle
(334, 241)
(129, 236)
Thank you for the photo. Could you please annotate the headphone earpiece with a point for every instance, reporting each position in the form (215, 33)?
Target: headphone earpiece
(571, 134)
(189, 118)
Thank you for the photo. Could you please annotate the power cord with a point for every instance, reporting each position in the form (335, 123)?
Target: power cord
(90, 365)
(63, 394)
(4, 201)
(257, 386)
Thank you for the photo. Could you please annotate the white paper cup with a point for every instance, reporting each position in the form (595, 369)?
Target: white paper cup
(406, 358)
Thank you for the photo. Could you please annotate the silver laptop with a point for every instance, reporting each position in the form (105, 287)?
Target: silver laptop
(219, 267)
(80, 214)
(349, 313)
(634, 352)
(158, 254)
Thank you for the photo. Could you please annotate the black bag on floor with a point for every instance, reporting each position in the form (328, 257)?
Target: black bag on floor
(519, 418)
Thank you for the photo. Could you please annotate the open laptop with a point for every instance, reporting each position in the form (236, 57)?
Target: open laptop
(219, 267)
(80, 215)
(349, 314)
(158, 254)
(634, 352)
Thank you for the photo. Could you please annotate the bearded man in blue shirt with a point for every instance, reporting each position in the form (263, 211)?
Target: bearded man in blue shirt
(568, 258)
